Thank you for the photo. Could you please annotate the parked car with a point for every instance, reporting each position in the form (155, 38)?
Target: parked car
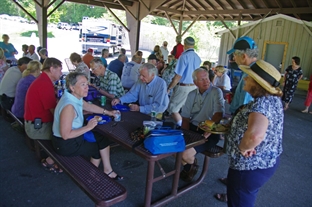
(74, 26)
(4, 16)
(63, 25)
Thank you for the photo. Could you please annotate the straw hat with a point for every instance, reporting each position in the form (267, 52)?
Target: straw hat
(265, 74)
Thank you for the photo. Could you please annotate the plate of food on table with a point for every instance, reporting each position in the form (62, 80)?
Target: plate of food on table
(212, 127)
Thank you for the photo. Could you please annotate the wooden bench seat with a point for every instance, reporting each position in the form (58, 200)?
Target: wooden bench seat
(103, 190)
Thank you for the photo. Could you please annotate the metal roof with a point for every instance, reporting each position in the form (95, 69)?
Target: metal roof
(214, 10)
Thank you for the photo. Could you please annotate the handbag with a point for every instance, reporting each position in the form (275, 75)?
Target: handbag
(160, 141)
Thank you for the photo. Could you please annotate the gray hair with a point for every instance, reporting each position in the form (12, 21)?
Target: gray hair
(150, 67)
(194, 74)
(97, 61)
(43, 51)
(252, 53)
(71, 79)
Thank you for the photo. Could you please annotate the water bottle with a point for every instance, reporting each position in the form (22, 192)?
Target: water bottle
(153, 113)
(59, 89)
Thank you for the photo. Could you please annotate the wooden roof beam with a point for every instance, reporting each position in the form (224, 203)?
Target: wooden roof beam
(220, 4)
(120, 22)
(279, 3)
(96, 3)
(253, 3)
(309, 3)
(126, 3)
(172, 25)
(126, 9)
(298, 10)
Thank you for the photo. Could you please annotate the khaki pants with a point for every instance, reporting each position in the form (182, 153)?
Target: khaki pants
(45, 132)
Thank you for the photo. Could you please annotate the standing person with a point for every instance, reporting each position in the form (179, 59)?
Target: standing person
(32, 53)
(165, 51)
(308, 100)
(88, 57)
(9, 82)
(81, 67)
(104, 55)
(123, 52)
(178, 48)
(40, 104)
(43, 53)
(254, 142)
(293, 74)
(107, 82)
(245, 52)
(29, 75)
(182, 83)
(8, 48)
(3, 64)
(68, 129)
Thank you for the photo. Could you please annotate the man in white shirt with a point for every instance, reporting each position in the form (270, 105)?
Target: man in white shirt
(130, 72)
(9, 82)
(165, 51)
(31, 53)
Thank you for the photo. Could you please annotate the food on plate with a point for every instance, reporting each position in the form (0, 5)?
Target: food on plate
(210, 125)
(221, 128)
(98, 118)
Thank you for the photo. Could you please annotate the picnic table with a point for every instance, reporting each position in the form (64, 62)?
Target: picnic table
(119, 132)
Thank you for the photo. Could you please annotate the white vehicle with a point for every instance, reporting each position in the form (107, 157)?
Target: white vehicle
(99, 34)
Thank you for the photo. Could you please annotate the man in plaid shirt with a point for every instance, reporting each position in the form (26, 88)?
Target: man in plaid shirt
(108, 83)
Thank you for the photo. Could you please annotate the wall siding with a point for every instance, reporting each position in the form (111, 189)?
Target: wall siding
(298, 39)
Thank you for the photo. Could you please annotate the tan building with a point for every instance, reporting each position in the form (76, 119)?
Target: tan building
(278, 37)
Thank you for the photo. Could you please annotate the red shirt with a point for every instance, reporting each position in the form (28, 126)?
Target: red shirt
(87, 59)
(40, 98)
(177, 50)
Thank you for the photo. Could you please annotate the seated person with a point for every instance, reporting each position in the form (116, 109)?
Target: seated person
(29, 75)
(130, 72)
(117, 65)
(9, 82)
(107, 82)
(204, 103)
(81, 67)
(222, 80)
(68, 129)
(150, 92)
(88, 57)
(206, 65)
(3, 64)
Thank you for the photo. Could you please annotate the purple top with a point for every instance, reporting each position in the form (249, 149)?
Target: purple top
(20, 94)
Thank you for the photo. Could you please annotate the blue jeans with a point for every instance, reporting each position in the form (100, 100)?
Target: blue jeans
(243, 186)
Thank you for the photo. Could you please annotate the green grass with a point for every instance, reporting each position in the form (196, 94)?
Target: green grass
(28, 34)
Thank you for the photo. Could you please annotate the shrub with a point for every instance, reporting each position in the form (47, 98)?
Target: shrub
(28, 34)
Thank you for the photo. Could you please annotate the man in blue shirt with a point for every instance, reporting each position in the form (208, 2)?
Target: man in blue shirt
(130, 72)
(182, 82)
(149, 91)
(117, 65)
(245, 53)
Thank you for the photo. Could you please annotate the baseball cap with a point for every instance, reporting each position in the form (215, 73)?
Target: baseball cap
(90, 50)
(243, 43)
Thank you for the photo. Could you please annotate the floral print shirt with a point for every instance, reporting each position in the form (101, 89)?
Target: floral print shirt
(270, 148)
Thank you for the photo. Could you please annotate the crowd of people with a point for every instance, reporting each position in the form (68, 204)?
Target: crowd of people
(172, 83)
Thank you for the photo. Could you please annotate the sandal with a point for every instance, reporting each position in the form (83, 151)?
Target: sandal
(51, 167)
(117, 177)
(223, 180)
(221, 197)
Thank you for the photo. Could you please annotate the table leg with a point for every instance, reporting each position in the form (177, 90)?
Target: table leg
(176, 177)
(149, 183)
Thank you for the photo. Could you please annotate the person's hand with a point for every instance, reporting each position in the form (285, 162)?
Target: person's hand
(248, 153)
(168, 91)
(134, 107)
(111, 113)
(115, 101)
(206, 135)
(92, 123)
